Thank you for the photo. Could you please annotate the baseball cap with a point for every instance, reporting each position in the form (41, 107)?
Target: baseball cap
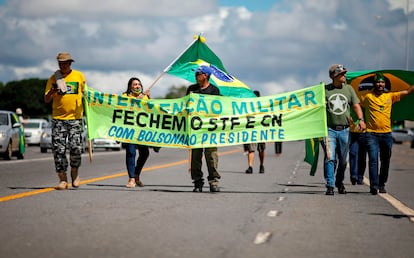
(204, 69)
(379, 77)
(336, 69)
(64, 56)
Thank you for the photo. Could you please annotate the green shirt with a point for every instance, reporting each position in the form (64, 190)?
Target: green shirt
(338, 104)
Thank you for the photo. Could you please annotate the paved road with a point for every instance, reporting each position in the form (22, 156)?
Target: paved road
(282, 213)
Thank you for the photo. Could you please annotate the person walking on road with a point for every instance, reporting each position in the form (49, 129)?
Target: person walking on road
(203, 86)
(135, 90)
(64, 89)
(340, 97)
(357, 154)
(378, 106)
(278, 148)
(249, 149)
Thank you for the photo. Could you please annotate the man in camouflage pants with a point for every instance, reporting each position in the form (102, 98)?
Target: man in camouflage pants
(64, 89)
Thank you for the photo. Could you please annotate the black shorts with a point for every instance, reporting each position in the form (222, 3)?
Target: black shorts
(250, 147)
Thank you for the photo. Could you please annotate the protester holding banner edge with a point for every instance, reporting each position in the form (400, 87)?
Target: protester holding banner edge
(135, 90)
(203, 86)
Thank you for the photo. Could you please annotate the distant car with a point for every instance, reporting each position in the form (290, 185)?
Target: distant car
(107, 144)
(46, 139)
(402, 135)
(33, 129)
(11, 136)
(412, 141)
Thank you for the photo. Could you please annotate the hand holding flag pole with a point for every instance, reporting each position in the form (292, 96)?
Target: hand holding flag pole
(85, 103)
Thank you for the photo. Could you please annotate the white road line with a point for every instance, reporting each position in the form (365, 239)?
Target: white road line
(262, 237)
(407, 211)
(273, 213)
(399, 206)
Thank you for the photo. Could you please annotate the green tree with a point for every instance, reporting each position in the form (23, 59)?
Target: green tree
(26, 94)
(176, 92)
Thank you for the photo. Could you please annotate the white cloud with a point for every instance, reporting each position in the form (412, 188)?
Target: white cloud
(288, 46)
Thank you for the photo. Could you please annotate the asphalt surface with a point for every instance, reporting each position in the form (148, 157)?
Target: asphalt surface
(281, 213)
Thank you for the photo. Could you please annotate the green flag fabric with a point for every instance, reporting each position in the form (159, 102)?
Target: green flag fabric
(199, 54)
(312, 154)
(22, 146)
(198, 121)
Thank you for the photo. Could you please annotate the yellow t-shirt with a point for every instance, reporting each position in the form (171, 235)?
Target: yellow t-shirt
(68, 106)
(378, 110)
(144, 97)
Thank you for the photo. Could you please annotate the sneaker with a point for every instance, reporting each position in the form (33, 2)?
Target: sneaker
(341, 189)
(249, 170)
(353, 181)
(329, 191)
(382, 189)
(198, 187)
(373, 191)
(261, 169)
(214, 188)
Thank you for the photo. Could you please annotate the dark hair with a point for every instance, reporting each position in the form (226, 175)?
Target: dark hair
(257, 93)
(128, 91)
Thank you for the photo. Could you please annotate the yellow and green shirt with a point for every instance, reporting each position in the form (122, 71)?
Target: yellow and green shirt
(378, 110)
(69, 105)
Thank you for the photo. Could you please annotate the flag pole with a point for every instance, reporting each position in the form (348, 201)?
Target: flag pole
(328, 153)
(166, 69)
(90, 150)
(189, 160)
(86, 108)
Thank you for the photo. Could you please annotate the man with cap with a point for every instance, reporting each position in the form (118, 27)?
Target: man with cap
(64, 89)
(378, 106)
(340, 98)
(203, 86)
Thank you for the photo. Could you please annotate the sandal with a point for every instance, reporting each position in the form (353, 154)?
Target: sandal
(131, 183)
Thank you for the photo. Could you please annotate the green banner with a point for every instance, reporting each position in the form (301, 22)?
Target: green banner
(197, 121)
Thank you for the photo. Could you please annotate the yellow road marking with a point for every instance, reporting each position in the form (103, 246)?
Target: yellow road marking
(92, 180)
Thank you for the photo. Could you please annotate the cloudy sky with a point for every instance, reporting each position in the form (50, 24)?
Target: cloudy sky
(272, 46)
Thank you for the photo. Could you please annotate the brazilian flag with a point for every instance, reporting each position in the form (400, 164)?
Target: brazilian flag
(395, 80)
(199, 54)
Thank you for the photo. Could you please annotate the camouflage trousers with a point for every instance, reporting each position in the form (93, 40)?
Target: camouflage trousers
(66, 134)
